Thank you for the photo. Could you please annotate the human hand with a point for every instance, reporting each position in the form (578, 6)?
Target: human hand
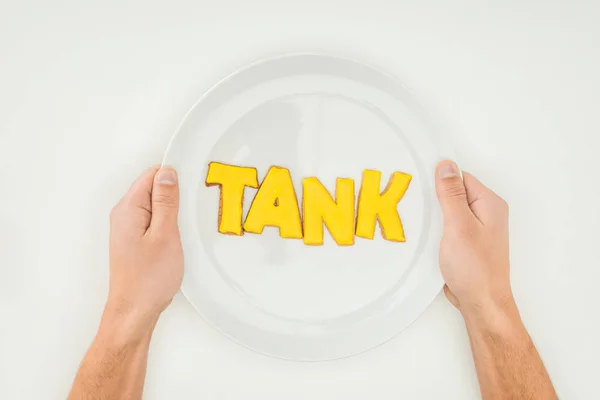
(474, 249)
(146, 257)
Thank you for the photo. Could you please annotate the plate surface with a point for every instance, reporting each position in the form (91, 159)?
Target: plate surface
(317, 116)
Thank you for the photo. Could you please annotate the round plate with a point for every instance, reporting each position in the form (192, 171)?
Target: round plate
(317, 116)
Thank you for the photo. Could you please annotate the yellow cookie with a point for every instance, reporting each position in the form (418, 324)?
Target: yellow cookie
(373, 206)
(275, 204)
(318, 208)
(232, 180)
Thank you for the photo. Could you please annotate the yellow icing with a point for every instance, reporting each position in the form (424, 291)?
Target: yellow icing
(318, 208)
(373, 206)
(275, 204)
(232, 180)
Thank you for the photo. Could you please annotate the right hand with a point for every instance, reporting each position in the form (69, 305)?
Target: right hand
(474, 257)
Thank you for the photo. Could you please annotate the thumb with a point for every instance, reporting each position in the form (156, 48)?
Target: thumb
(165, 199)
(450, 189)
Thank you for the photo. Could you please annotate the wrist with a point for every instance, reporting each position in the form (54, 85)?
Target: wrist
(492, 313)
(125, 324)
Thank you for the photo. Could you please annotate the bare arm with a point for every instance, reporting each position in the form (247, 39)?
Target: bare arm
(115, 365)
(146, 268)
(507, 362)
(474, 260)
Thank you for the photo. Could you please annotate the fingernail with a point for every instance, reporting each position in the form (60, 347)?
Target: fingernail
(447, 169)
(166, 176)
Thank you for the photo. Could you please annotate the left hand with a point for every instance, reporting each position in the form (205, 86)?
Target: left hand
(146, 257)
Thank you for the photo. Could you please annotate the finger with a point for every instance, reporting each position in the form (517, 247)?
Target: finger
(451, 191)
(451, 297)
(135, 207)
(141, 188)
(165, 200)
(483, 201)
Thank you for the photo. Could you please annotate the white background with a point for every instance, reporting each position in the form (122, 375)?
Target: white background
(90, 95)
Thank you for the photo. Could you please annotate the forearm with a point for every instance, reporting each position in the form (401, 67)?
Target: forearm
(507, 362)
(115, 365)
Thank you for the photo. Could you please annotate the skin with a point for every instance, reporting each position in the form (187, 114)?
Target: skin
(146, 269)
(475, 265)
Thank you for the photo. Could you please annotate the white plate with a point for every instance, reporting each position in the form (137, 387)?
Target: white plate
(318, 116)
